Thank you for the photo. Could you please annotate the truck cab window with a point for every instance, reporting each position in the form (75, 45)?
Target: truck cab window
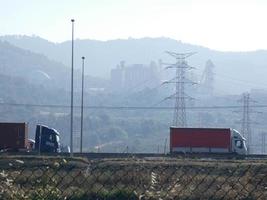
(51, 137)
(239, 144)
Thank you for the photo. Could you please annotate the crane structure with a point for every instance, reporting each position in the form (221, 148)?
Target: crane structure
(207, 79)
(180, 79)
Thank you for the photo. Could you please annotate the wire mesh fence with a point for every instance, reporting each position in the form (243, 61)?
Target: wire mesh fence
(132, 179)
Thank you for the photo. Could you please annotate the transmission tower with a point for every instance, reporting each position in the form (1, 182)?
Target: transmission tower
(180, 79)
(245, 125)
(246, 121)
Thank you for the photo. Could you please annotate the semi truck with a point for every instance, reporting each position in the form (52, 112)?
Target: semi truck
(14, 137)
(207, 140)
(46, 139)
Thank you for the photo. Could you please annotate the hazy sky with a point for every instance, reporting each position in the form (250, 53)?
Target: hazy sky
(235, 25)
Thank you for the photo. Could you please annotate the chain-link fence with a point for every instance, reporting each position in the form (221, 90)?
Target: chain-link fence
(57, 178)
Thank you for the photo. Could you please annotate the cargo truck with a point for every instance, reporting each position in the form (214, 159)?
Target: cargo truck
(207, 140)
(14, 137)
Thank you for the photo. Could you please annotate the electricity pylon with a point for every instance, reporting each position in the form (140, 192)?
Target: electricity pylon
(246, 120)
(180, 79)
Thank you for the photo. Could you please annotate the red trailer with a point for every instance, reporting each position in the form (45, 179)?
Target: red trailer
(13, 136)
(207, 140)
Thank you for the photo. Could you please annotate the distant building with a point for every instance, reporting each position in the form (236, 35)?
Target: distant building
(135, 77)
(117, 77)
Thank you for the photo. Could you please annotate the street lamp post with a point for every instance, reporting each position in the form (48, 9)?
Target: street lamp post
(71, 109)
(81, 139)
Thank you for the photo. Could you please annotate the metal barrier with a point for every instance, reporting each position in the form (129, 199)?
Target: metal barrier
(58, 178)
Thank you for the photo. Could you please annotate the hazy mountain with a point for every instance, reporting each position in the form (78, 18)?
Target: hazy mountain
(37, 69)
(235, 71)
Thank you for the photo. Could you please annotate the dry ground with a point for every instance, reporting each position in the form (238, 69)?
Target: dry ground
(31, 177)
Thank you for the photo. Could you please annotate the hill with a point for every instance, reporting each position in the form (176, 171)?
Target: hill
(38, 69)
(236, 72)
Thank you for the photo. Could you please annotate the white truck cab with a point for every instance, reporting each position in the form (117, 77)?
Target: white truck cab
(238, 143)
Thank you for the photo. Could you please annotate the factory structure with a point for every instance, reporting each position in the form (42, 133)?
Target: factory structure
(141, 76)
(138, 76)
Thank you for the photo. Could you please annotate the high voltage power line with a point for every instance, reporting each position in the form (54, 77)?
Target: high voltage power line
(130, 107)
(180, 79)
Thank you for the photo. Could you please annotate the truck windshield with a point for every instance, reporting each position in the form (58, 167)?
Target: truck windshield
(239, 144)
(57, 138)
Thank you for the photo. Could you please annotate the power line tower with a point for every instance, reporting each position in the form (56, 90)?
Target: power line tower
(180, 79)
(245, 124)
(246, 120)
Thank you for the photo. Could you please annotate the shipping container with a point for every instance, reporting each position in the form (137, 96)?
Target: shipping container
(206, 140)
(13, 136)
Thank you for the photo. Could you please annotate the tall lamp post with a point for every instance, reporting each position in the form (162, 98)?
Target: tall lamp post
(71, 107)
(81, 139)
